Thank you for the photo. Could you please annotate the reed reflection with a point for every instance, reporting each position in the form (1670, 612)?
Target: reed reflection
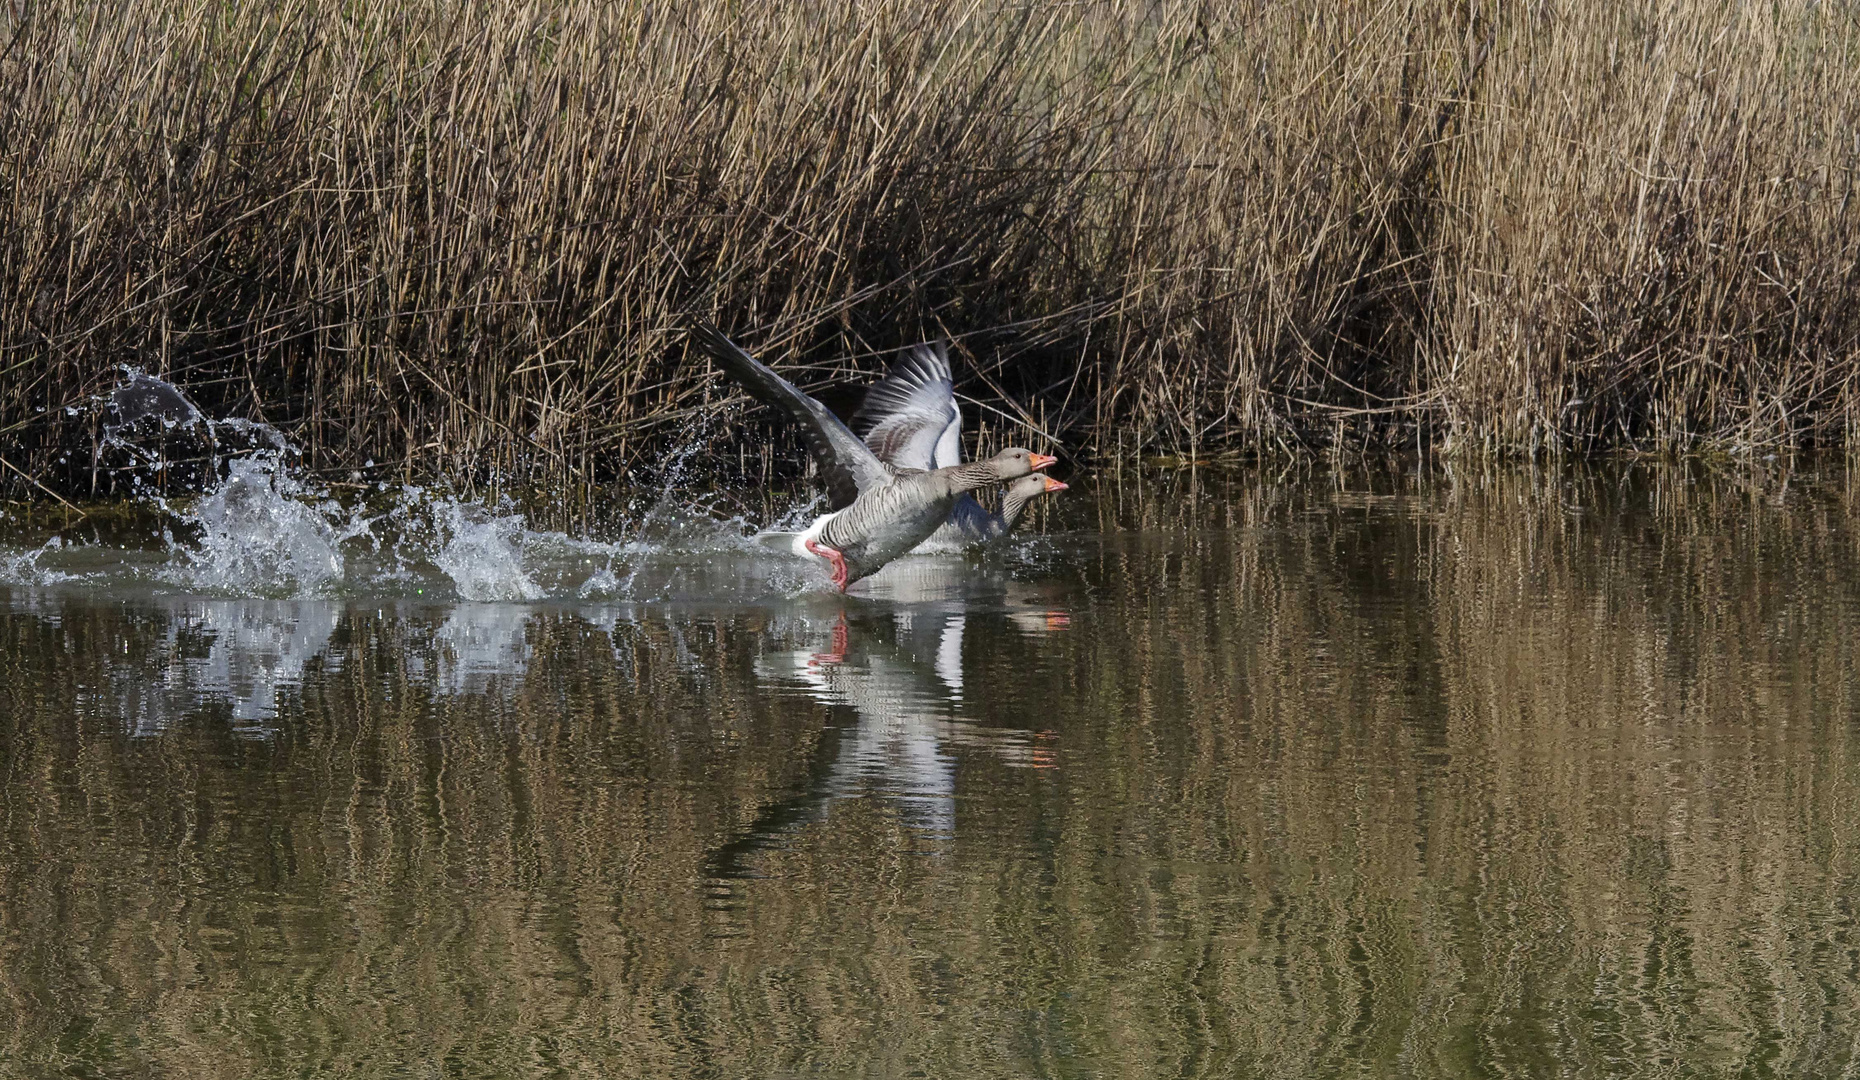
(1484, 774)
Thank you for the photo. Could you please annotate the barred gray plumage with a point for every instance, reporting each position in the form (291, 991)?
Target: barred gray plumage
(910, 420)
(881, 511)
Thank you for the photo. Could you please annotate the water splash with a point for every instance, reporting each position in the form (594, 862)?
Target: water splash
(483, 553)
(143, 397)
(151, 424)
(23, 567)
(260, 535)
(262, 527)
(258, 529)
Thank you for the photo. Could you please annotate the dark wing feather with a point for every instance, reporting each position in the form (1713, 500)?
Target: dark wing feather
(846, 466)
(909, 418)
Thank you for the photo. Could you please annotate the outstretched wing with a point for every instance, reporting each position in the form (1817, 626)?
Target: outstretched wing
(846, 466)
(909, 417)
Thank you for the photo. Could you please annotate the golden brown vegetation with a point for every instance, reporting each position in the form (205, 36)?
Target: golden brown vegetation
(463, 238)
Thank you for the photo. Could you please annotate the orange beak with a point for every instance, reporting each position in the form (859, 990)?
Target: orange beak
(1041, 461)
(1052, 484)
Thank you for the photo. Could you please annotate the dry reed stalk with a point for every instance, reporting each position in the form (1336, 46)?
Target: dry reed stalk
(461, 239)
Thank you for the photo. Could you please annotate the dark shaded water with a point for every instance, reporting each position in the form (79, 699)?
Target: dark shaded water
(1493, 775)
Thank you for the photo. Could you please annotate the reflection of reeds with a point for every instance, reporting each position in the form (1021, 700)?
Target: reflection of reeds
(1455, 779)
(1560, 766)
(461, 238)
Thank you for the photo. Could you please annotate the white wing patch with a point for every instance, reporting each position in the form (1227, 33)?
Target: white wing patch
(909, 417)
(949, 444)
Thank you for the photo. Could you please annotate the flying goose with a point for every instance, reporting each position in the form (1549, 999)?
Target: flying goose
(880, 511)
(911, 422)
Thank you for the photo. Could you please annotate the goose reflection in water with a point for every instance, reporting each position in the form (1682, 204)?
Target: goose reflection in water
(896, 660)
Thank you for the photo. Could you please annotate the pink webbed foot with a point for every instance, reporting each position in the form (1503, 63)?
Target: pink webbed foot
(832, 556)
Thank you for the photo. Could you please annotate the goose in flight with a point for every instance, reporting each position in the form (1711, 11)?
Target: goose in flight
(880, 511)
(911, 421)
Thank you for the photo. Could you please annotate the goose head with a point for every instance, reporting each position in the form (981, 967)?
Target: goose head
(1016, 462)
(1021, 492)
(1031, 487)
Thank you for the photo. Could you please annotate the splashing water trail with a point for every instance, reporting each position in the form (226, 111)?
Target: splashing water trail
(483, 553)
(144, 397)
(261, 527)
(22, 567)
(260, 536)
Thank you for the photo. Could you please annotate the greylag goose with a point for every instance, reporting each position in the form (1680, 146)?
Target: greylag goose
(880, 511)
(911, 421)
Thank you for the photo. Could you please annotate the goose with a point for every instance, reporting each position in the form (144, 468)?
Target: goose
(880, 511)
(911, 422)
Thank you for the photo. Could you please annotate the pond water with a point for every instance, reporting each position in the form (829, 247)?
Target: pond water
(1324, 774)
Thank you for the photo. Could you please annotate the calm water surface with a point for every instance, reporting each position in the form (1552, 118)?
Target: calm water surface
(1507, 775)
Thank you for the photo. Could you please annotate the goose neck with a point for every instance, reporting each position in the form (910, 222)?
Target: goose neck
(1012, 503)
(976, 474)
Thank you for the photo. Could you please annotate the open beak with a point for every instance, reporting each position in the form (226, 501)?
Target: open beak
(1041, 461)
(1052, 484)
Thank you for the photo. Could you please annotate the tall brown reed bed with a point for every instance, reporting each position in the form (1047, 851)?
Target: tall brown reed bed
(461, 239)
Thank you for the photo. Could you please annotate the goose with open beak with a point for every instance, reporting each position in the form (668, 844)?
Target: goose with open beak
(910, 420)
(880, 511)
